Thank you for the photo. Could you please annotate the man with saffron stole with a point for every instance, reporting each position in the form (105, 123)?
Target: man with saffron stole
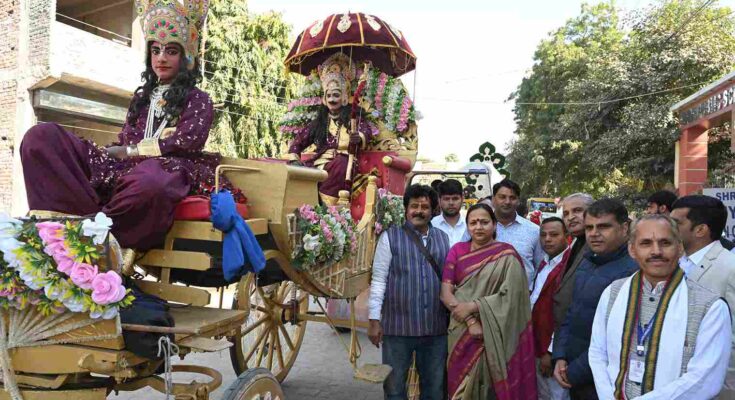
(657, 335)
(490, 339)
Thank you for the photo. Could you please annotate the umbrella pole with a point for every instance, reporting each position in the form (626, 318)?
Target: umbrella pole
(351, 158)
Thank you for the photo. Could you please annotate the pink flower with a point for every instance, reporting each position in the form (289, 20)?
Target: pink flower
(83, 275)
(326, 231)
(107, 288)
(379, 93)
(403, 118)
(64, 264)
(54, 248)
(50, 231)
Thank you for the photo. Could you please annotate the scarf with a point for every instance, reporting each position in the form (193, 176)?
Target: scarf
(240, 248)
(669, 327)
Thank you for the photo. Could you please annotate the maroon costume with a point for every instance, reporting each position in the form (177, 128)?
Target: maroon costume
(66, 174)
(333, 155)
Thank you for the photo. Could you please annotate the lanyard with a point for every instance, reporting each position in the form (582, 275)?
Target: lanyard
(644, 332)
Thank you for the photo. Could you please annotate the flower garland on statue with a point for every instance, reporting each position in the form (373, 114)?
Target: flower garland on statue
(54, 266)
(389, 211)
(385, 98)
(329, 235)
(304, 109)
(389, 101)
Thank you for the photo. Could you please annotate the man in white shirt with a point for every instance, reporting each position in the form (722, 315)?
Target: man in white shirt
(450, 221)
(657, 335)
(515, 230)
(548, 275)
(701, 220)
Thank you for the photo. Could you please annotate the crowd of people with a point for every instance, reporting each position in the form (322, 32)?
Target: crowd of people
(593, 305)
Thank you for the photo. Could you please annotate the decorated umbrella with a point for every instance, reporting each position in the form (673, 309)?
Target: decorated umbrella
(361, 36)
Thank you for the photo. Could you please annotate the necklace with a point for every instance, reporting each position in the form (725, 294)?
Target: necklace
(155, 111)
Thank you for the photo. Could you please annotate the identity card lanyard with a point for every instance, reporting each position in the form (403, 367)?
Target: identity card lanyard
(644, 332)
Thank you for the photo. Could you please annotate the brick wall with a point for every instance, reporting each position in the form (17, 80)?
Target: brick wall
(36, 49)
(9, 35)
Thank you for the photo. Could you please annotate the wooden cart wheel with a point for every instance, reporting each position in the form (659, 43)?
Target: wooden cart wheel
(255, 384)
(269, 338)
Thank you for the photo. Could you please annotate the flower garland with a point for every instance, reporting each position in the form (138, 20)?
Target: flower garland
(389, 101)
(385, 98)
(54, 266)
(389, 212)
(329, 235)
(304, 109)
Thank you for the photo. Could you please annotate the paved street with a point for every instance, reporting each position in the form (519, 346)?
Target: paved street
(322, 370)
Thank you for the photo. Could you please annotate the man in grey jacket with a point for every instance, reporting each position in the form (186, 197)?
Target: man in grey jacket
(701, 220)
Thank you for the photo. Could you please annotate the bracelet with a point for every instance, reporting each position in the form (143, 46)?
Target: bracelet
(472, 322)
(469, 317)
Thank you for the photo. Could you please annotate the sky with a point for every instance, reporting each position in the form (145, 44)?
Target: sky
(471, 56)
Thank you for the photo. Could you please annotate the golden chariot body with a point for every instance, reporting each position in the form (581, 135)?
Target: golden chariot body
(72, 356)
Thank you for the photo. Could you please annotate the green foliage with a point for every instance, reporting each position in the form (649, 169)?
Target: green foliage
(615, 147)
(245, 75)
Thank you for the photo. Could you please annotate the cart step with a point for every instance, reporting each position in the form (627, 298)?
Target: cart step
(204, 344)
(373, 373)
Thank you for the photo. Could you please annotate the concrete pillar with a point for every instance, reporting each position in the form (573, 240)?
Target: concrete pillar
(692, 160)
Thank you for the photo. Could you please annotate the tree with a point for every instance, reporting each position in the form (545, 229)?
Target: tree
(599, 143)
(245, 76)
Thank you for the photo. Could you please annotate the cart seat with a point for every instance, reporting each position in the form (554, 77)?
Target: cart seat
(205, 321)
(197, 208)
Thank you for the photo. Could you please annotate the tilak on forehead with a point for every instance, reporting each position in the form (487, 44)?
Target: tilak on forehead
(336, 73)
(169, 21)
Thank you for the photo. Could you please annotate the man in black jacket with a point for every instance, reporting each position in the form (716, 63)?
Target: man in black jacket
(606, 231)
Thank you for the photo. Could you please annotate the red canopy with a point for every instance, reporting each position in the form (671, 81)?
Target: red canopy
(361, 36)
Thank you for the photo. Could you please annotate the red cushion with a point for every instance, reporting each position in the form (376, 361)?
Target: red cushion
(196, 208)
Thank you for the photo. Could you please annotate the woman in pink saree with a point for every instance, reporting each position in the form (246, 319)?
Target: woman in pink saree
(484, 285)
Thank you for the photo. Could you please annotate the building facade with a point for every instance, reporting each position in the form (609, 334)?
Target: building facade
(709, 107)
(73, 62)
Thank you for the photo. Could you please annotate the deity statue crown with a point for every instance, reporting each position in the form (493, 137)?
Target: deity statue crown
(336, 73)
(169, 21)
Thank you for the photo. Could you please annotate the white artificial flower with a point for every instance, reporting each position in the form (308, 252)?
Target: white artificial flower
(98, 228)
(74, 304)
(339, 234)
(8, 245)
(110, 312)
(29, 280)
(52, 292)
(7, 222)
(311, 243)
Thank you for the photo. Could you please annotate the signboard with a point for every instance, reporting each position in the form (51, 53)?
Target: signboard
(710, 105)
(727, 196)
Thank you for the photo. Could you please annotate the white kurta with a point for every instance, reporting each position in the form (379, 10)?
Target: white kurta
(705, 371)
